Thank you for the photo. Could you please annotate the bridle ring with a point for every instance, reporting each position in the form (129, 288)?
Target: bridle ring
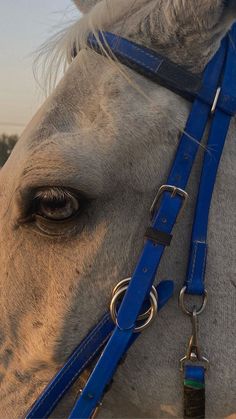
(183, 306)
(148, 315)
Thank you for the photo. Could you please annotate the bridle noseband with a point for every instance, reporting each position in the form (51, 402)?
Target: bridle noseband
(214, 102)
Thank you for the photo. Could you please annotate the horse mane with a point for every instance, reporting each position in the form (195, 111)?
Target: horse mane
(54, 56)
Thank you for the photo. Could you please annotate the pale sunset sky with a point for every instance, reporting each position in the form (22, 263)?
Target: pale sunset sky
(24, 26)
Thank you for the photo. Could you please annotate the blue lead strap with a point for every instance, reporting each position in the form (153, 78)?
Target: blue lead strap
(217, 136)
(144, 274)
(194, 375)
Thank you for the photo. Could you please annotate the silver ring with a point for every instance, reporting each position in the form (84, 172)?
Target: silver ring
(126, 282)
(149, 315)
(183, 307)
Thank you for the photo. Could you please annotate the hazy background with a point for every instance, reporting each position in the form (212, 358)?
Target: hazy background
(24, 25)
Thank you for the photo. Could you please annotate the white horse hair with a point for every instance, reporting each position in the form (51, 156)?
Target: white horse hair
(75, 197)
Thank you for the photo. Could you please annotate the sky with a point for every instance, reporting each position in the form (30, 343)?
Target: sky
(24, 26)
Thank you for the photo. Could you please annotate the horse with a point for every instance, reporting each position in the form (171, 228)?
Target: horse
(75, 197)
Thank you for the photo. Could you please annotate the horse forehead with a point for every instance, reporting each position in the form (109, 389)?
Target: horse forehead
(85, 121)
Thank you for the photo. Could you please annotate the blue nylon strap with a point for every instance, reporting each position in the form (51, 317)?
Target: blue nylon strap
(161, 70)
(196, 124)
(218, 132)
(148, 63)
(146, 269)
(194, 373)
(87, 350)
(84, 354)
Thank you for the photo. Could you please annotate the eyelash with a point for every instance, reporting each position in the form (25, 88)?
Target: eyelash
(56, 221)
(55, 200)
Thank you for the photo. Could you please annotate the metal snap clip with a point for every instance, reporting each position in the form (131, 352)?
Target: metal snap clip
(193, 353)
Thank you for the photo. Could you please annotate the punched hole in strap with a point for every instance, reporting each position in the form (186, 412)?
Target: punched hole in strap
(158, 236)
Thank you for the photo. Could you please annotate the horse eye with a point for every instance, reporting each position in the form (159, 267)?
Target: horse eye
(55, 204)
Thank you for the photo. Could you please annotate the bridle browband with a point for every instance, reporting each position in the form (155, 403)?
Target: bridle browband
(148, 63)
(214, 101)
(159, 69)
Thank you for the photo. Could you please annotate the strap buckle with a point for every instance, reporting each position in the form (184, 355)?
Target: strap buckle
(174, 191)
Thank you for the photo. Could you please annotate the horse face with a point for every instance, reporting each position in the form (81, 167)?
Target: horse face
(75, 197)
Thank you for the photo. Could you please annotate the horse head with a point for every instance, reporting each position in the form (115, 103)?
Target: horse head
(75, 197)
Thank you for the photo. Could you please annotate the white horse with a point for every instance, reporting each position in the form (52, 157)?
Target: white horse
(75, 197)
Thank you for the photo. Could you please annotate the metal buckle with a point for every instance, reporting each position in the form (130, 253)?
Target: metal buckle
(148, 315)
(193, 353)
(175, 191)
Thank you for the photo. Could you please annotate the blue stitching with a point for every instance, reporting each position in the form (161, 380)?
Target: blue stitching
(75, 376)
(135, 60)
(194, 263)
(141, 62)
(204, 264)
(94, 332)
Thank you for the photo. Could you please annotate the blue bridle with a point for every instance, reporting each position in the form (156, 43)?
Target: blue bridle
(214, 102)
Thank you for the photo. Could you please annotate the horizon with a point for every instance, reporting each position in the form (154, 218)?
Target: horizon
(25, 26)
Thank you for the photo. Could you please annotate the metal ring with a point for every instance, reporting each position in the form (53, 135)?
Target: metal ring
(182, 305)
(149, 315)
(124, 283)
(153, 312)
(121, 284)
